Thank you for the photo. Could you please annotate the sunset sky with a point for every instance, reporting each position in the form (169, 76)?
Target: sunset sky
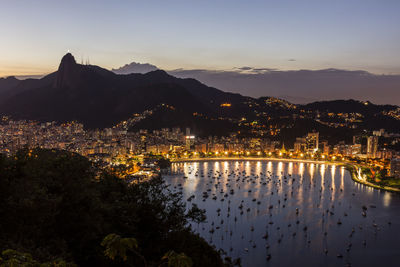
(298, 34)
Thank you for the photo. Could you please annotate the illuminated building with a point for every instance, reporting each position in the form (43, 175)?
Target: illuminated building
(372, 146)
(395, 167)
(312, 141)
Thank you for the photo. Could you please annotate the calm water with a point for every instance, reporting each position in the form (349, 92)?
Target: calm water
(251, 213)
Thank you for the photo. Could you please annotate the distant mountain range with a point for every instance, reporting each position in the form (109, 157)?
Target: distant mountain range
(303, 86)
(300, 86)
(101, 98)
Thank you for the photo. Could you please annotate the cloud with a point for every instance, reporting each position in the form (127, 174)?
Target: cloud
(245, 68)
(252, 70)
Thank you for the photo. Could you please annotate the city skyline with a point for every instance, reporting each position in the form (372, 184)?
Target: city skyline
(354, 35)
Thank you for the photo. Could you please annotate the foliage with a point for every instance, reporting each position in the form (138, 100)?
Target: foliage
(55, 204)
(115, 246)
(196, 214)
(177, 260)
(11, 258)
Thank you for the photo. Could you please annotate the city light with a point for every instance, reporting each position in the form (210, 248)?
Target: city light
(226, 105)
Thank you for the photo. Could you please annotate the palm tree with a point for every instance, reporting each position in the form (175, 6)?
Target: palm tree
(116, 246)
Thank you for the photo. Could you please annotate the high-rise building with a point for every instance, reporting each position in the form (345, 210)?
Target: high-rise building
(395, 167)
(372, 146)
(355, 149)
(189, 140)
(312, 141)
(324, 147)
(357, 139)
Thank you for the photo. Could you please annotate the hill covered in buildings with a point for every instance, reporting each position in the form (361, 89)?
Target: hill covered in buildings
(100, 98)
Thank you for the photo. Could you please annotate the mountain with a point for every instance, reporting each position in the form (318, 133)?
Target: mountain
(348, 106)
(100, 98)
(135, 68)
(297, 86)
(8, 83)
(302, 86)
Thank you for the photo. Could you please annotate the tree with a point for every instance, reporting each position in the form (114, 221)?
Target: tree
(13, 258)
(57, 204)
(196, 214)
(177, 260)
(116, 246)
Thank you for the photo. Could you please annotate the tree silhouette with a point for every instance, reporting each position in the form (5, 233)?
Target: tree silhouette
(177, 260)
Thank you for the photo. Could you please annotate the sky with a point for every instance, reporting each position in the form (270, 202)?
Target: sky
(206, 34)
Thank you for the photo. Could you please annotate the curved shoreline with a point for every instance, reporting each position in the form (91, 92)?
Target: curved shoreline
(353, 173)
(255, 159)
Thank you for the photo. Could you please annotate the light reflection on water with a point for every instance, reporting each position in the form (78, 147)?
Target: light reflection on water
(324, 195)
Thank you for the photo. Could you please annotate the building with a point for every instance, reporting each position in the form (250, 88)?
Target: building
(220, 148)
(380, 132)
(372, 146)
(395, 167)
(189, 140)
(312, 141)
(324, 146)
(300, 145)
(355, 149)
(201, 148)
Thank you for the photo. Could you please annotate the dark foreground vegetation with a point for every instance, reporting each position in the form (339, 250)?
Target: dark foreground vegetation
(58, 209)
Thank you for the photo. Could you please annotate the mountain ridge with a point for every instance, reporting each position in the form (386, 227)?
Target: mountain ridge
(100, 98)
(294, 85)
